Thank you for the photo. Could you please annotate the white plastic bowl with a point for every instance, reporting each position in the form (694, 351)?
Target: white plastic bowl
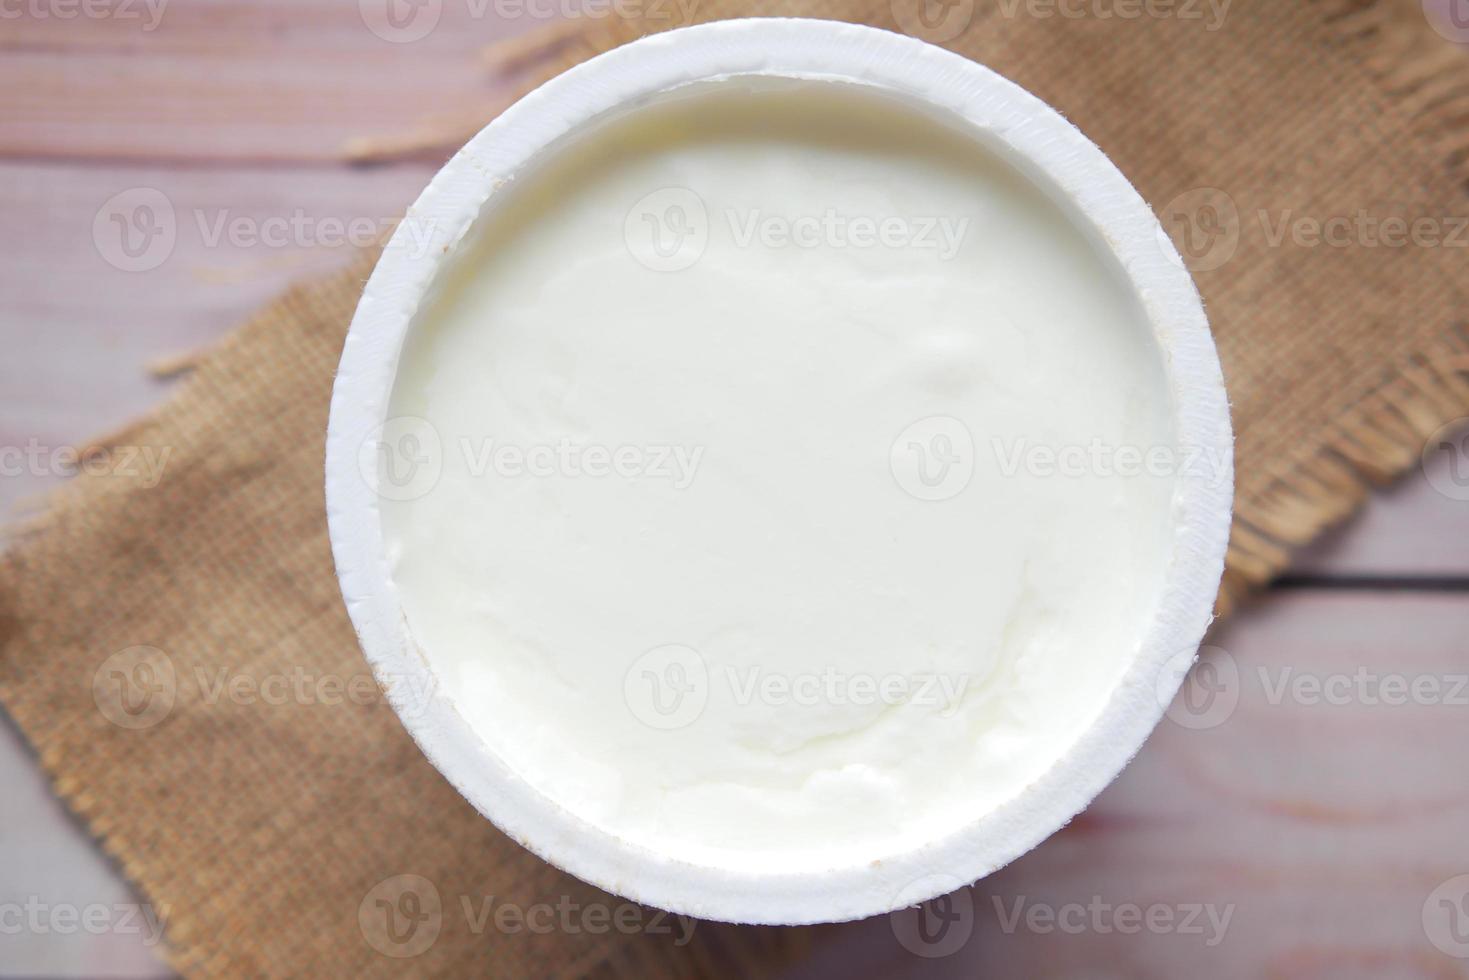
(1028, 131)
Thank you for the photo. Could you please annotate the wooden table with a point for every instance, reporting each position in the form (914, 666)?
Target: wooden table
(1321, 826)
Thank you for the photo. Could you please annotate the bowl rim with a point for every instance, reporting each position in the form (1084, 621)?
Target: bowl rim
(827, 50)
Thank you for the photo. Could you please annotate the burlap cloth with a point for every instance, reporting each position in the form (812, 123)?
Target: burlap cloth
(262, 825)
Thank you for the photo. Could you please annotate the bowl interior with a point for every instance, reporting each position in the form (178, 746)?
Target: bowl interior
(1031, 138)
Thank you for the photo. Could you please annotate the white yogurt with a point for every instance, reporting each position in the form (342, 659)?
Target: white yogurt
(810, 531)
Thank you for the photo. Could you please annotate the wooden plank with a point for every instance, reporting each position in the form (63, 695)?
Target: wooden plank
(233, 81)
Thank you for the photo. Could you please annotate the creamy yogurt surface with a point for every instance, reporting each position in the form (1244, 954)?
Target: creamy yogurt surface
(790, 477)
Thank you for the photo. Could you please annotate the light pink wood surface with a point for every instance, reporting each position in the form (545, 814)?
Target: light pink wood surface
(1325, 828)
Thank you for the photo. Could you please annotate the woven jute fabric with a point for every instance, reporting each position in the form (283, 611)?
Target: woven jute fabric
(179, 657)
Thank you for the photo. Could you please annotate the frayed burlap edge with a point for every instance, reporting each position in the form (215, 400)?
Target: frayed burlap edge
(1382, 437)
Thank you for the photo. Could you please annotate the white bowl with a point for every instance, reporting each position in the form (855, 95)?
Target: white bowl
(1055, 154)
